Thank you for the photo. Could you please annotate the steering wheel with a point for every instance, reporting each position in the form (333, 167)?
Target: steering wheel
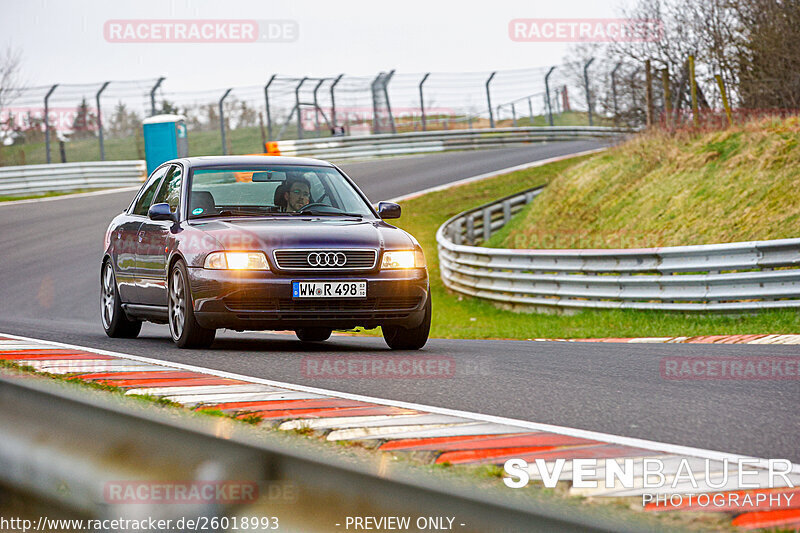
(312, 205)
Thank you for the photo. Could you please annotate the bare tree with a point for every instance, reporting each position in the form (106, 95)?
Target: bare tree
(11, 84)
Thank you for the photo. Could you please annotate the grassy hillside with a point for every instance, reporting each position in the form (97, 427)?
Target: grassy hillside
(659, 190)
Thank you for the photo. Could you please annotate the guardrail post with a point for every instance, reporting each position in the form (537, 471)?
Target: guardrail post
(588, 92)
(506, 211)
(47, 121)
(422, 100)
(100, 121)
(153, 95)
(266, 101)
(297, 105)
(489, 99)
(222, 121)
(547, 95)
(614, 91)
(316, 104)
(487, 224)
(333, 99)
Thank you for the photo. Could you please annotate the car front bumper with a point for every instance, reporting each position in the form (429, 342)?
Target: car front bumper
(262, 300)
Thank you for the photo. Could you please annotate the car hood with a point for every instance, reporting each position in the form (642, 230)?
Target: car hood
(272, 234)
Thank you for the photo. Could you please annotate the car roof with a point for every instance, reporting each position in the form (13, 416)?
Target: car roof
(228, 160)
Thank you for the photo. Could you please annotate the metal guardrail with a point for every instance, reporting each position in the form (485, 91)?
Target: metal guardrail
(67, 446)
(739, 276)
(434, 141)
(33, 179)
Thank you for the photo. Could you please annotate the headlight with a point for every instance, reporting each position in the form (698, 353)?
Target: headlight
(236, 261)
(403, 259)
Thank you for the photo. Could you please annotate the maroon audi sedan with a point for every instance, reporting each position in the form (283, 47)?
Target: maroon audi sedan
(261, 243)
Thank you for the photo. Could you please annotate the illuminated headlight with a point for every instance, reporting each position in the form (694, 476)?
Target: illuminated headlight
(236, 261)
(403, 259)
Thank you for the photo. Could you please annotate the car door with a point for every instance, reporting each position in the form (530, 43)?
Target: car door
(125, 238)
(152, 247)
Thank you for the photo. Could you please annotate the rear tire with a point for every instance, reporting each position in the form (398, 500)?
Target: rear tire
(115, 322)
(183, 327)
(313, 334)
(400, 338)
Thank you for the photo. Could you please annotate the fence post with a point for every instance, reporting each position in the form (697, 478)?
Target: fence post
(725, 102)
(693, 84)
(47, 121)
(100, 121)
(489, 99)
(513, 115)
(333, 99)
(222, 121)
(422, 100)
(297, 105)
(614, 91)
(530, 110)
(648, 93)
(376, 128)
(386, 81)
(153, 95)
(588, 92)
(667, 96)
(316, 104)
(266, 101)
(547, 95)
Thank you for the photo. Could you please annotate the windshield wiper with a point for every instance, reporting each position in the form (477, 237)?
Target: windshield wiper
(314, 213)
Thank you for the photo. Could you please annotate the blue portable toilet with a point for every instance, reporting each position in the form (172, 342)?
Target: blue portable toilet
(164, 139)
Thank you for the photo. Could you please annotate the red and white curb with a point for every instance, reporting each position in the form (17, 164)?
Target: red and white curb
(702, 339)
(445, 435)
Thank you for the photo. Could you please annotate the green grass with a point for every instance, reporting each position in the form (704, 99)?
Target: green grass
(461, 317)
(659, 190)
(42, 195)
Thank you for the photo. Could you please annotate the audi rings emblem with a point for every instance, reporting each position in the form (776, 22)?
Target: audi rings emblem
(327, 259)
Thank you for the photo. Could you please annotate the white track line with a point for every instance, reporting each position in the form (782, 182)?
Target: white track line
(492, 419)
(70, 196)
(493, 174)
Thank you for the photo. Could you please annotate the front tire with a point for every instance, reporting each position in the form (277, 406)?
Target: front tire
(313, 334)
(115, 322)
(400, 338)
(183, 326)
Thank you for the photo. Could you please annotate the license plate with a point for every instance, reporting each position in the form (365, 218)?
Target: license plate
(329, 289)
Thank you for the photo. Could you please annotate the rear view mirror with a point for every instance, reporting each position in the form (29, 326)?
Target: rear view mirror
(388, 210)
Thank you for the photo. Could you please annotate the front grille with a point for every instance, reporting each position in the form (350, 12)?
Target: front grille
(363, 259)
(288, 305)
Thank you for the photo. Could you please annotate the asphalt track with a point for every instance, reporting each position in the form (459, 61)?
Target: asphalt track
(49, 289)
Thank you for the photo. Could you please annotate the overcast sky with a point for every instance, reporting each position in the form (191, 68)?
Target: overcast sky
(64, 41)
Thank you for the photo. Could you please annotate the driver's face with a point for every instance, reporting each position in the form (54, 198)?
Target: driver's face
(297, 197)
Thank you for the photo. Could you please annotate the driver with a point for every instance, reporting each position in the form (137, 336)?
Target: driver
(297, 195)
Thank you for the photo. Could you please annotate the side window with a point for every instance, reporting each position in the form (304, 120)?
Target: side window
(149, 190)
(170, 191)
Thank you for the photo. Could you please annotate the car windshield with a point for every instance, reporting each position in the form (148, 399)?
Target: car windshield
(273, 190)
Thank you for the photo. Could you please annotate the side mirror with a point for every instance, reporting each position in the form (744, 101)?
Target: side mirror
(161, 212)
(388, 210)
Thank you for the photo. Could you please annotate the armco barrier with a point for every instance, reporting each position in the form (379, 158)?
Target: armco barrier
(33, 179)
(434, 141)
(739, 276)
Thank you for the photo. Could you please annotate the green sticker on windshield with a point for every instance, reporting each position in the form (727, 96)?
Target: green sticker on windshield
(197, 210)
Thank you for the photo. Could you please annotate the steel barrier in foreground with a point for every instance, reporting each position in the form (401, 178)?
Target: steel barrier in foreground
(738, 276)
(340, 148)
(62, 177)
(80, 451)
